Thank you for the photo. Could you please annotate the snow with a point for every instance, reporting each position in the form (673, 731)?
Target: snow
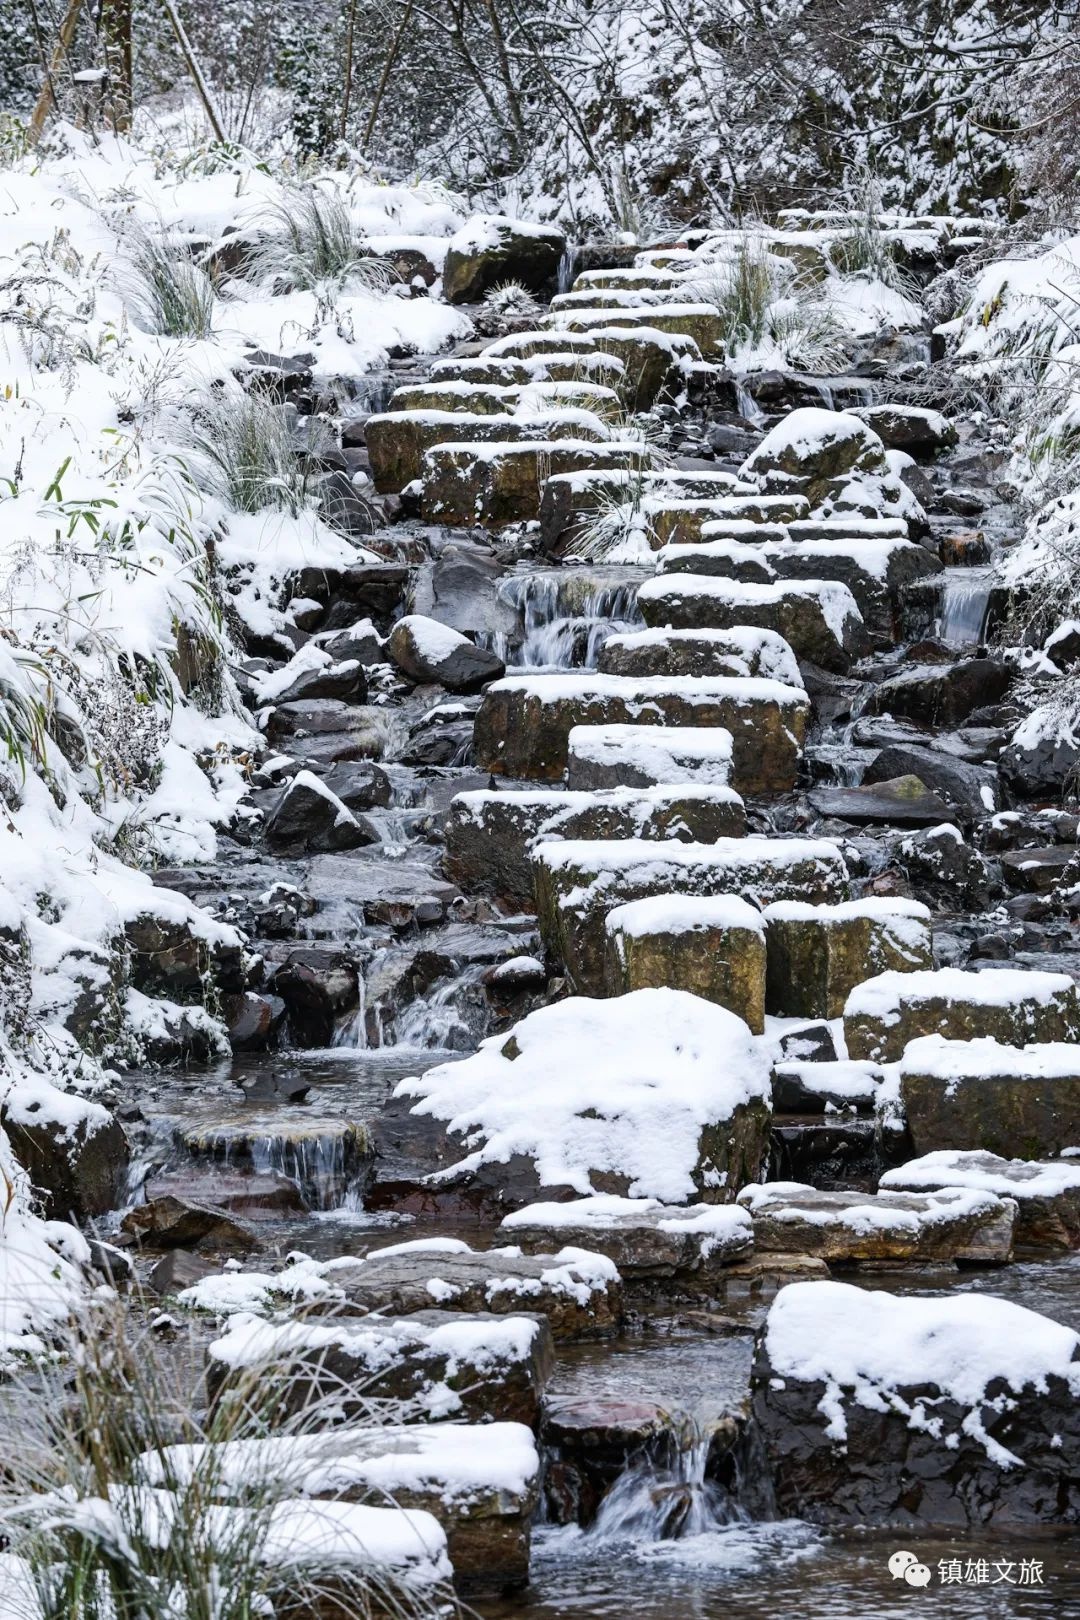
(987, 1172)
(684, 914)
(602, 1212)
(845, 1078)
(700, 754)
(764, 650)
(43, 1266)
(587, 686)
(433, 641)
(621, 1087)
(871, 555)
(867, 1347)
(883, 996)
(803, 433)
(988, 1059)
(838, 607)
(655, 862)
(796, 1202)
(906, 923)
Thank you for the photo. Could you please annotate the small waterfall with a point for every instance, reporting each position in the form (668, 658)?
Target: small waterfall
(654, 1501)
(964, 604)
(747, 406)
(564, 629)
(331, 1167)
(439, 1020)
(568, 267)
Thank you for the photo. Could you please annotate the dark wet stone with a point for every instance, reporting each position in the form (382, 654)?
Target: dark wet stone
(310, 818)
(903, 802)
(943, 695)
(971, 789)
(343, 680)
(1042, 871)
(320, 987)
(252, 1020)
(261, 1196)
(174, 1222)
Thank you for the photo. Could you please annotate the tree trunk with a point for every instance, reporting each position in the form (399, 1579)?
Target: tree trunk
(213, 117)
(46, 100)
(116, 35)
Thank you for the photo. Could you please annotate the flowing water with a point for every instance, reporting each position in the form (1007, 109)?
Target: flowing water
(566, 616)
(964, 605)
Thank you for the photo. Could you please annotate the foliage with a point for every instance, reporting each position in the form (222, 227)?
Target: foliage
(169, 293)
(308, 240)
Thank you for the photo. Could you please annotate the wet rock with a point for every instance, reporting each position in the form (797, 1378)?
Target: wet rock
(921, 433)
(359, 785)
(327, 1158)
(938, 863)
(426, 650)
(809, 1043)
(490, 249)
(172, 1222)
(819, 619)
(900, 1228)
(841, 1455)
(1042, 871)
(809, 1087)
(578, 883)
(461, 589)
(1046, 1192)
(590, 1441)
(178, 1269)
(358, 643)
(818, 954)
(971, 789)
(1063, 644)
(713, 947)
(935, 695)
(524, 723)
(274, 1086)
(904, 801)
(350, 730)
(1040, 763)
(319, 987)
(252, 1020)
(835, 1151)
(314, 679)
(175, 957)
(489, 835)
(447, 1364)
(885, 1013)
(741, 651)
(74, 1152)
(370, 589)
(984, 1093)
(265, 1195)
(310, 818)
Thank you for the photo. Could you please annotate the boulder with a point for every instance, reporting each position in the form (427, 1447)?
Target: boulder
(950, 1411)
(678, 522)
(73, 1150)
(818, 954)
(893, 1228)
(939, 864)
(1046, 1192)
(591, 1441)
(172, 1222)
(319, 986)
(489, 835)
(579, 882)
(647, 756)
(1009, 1005)
(310, 818)
(816, 446)
(818, 1086)
(490, 249)
(818, 619)
(428, 651)
(495, 482)
(713, 947)
(936, 695)
(398, 441)
(970, 789)
(312, 673)
(984, 1093)
(645, 654)
(659, 1249)
(655, 1094)
(921, 433)
(903, 802)
(524, 722)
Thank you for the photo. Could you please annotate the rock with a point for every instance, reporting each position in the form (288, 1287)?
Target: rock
(818, 954)
(177, 956)
(819, 620)
(809, 1043)
(579, 882)
(310, 818)
(647, 756)
(1062, 645)
(942, 696)
(359, 643)
(922, 433)
(1015, 1007)
(494, 483)
(1042, 871)
(489, 835)
(73, 1150)
(275, 1087)
(971, 789)
(813, 1087)
(172, 1222)
(429, 651)
(326, 1157)
(660, 1250)
(644, 654)
(255, 1197)
(359, 784)
(312, 673)
(610, 1074)
(319, 987)
(178, 1269)
(490, 249)
(938, 863)
(1042, 759)
(478, 1367)
(713, 947)
(524, 722)
(984, 1093)
(888, 1227)
(816, 446)
(845, 1381)
(252, 1020)
(373, 588)
(1046, 1192)
(578, 1291)
(905, 801)
(590, 1442)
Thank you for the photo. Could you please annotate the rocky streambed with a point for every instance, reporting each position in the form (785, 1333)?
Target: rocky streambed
(655, 1023)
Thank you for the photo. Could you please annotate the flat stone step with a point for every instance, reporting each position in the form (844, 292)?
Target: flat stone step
(818, 954)
(524, 722)
(489, 835)
(1046, 1191)
(683, 522)
(570, 499)
(635, 299)
(628, 279)
(713, 946)
(492, 484)
(648, 756)
(811, 1088)
(578, 883)
(984, 1093)
(905, 801)
(818, 618)
(895, 1227)
(648, 355)
(482, 400)
(586, 366)
(699, 322)
(1012, 1005)
(743, 651)
(397, 441)
(659, 1249)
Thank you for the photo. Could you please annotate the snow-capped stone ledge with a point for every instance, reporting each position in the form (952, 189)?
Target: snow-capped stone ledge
(897, 1227)
(1046, 1192)
(1012, 1005)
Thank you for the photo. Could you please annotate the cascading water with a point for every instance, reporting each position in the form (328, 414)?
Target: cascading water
(747, 406)
(670, 1500)
(965, 601)
(564, 628)
(567, 267)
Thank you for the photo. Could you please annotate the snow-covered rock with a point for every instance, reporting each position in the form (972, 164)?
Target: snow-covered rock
(1011, 1005)
(895, 1227)
(1046, 1191)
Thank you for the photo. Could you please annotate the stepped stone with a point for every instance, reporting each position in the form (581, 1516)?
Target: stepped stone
(477, 399)
(713, 947)
(819, 620)
(1046, 1192)
(650, 356)
(490, 249)
(1009, 1005)
(817, 446)
(496, 483)
(524, 723)
(818, 954)
(894, 1227)
(876, 572)
(700, 322)
(586, 366)
(984, 1093)
(658, 1248)
(571, 499)
(647, 756)
(397, 441)
(814, 1087)
(681, 522)
(921, 433)
(448, 1364)
(490, 835)
(578, 883)
(645, 654)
